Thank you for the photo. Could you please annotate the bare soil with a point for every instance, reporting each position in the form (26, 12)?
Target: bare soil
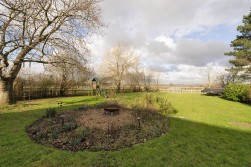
(243, 124)
(96, 118)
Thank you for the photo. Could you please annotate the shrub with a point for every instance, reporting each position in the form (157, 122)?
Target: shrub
(54, 134)
(69, 127)
(142, 112)
(236, 92)
(83, 132)
(74, 141)
(165, 107)
(149, 100)
(40, 135)
(150, 103)
(86, 133)
(50, 113)
(249, 95)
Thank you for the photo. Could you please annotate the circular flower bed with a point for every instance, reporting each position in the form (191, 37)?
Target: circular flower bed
(90, 128)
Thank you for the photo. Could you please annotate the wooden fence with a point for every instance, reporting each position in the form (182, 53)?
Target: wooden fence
(27, 93)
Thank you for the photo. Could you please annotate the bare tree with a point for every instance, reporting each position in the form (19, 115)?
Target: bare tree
(157, 75)
(235, 74)
(229, 76)
(116, 64)
(134, 77)
(221, 80)
(31, 30)
(71, 72)
(44, 83)
(209, 74)
(147, 79)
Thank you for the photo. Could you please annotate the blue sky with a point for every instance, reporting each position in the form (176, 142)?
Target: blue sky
(224, 33)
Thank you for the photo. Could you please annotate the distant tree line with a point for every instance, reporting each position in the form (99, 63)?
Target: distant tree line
(55, 81)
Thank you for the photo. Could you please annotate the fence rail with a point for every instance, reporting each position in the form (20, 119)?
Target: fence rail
(181, 91)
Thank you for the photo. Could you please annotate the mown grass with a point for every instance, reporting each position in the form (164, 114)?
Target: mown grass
(201, 134)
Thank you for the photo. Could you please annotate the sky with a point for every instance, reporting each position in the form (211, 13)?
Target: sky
(177, 38)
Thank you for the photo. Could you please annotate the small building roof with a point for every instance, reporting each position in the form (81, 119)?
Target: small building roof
(95, 79)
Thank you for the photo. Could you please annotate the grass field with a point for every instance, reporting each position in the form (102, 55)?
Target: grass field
(202, 133)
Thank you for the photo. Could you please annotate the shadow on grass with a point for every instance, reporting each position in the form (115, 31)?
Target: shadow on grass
(186, 144)
(248, 103)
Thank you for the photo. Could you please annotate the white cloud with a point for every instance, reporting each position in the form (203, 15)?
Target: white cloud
(97, 48)
(199, 53)
(187, 74)
(170, 17)
(166, 40)
(186, 51)
(158, 29)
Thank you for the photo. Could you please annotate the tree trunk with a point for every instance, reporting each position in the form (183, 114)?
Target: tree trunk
(61, 92)
(118, 87)
(6, 92)
(62, 89)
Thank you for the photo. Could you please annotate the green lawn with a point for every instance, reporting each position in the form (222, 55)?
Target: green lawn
(201, 134)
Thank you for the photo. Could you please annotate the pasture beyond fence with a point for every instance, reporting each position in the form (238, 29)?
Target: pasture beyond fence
(174, 89)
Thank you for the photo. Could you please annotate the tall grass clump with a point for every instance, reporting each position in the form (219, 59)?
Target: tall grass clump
(155, 103)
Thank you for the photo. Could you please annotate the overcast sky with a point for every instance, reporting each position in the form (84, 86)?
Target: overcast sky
(175, 37)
